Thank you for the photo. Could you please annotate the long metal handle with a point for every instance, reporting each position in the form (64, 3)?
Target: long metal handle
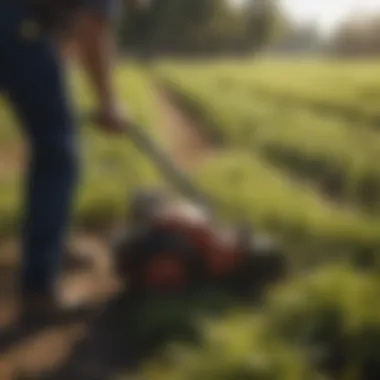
(165, 165)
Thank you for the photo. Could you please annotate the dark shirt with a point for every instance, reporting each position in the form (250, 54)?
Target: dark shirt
(104, 7)
(57, 14)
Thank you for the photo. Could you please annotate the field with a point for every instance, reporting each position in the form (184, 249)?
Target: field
(299, 146)
(303, 171)
(294, 152)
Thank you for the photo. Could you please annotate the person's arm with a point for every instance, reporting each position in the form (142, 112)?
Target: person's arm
(96, 51)
(94, 39)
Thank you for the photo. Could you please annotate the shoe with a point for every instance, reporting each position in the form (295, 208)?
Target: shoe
(35, 312)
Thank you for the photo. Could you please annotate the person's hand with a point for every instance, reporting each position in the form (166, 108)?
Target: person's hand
(112, 119)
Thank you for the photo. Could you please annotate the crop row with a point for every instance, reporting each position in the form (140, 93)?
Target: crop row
(324, 150)
(350, 91)
(323, 326)
(248, 189)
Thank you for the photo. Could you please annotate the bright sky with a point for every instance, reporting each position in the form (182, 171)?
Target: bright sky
(326, 13)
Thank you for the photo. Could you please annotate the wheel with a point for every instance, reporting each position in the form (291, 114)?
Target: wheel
(266, 260)
(263, 263)
(124, 247)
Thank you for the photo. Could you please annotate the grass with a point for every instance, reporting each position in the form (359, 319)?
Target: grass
(338, 156)
(324, 326)
(350, 90)
(270, 173)
(290, 151)
(312, 229)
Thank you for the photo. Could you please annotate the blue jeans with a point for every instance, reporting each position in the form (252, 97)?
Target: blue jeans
(30, 73)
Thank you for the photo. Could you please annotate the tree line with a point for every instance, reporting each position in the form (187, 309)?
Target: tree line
(197, 26)
(357, 37)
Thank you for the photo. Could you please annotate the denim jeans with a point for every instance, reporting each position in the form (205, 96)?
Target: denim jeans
(32, 77)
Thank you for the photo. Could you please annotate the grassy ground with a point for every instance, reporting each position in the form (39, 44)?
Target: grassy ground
(285, 130)
(299, 159)
(305, 174)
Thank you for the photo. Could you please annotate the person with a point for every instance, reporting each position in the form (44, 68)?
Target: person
(32, 76)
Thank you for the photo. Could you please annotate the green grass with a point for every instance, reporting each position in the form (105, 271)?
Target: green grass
(268, 147)
(319, 326)
(350, 90)
(325, 326)
(338, 156)
(311, 229)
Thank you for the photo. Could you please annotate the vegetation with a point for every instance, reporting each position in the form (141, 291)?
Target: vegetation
(325, 326)
(298, 157)
(322, 325)
(275, 159)
(198, 27)
(357, 37)
(336, 154)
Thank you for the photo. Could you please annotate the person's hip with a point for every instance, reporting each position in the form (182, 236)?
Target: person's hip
(16, 21)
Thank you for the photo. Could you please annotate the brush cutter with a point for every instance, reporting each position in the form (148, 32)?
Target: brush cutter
(175, 244)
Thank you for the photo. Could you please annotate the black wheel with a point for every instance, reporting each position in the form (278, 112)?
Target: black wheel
(124, 247)
(266, 260)
(264, 264)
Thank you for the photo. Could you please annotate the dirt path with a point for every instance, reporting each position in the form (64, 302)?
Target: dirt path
(49, 347)
(54, 347)
(187, 145)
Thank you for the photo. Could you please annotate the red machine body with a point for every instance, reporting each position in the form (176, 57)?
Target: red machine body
(174, 245)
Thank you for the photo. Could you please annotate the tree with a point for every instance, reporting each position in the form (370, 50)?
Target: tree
(357, 37)
(197, 26)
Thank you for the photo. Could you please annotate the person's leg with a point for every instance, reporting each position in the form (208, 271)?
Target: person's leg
(35, 83)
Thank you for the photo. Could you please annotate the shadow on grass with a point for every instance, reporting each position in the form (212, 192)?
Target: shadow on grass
(131, 330)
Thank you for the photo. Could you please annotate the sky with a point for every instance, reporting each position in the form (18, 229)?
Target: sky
(327, 14)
